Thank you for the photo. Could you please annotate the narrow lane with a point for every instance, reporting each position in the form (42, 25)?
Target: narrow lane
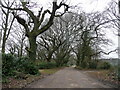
(68, 78)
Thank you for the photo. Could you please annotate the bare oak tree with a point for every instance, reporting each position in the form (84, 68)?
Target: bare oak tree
(36, 21)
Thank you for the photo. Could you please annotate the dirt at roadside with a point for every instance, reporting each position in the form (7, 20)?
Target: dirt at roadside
(103, 77)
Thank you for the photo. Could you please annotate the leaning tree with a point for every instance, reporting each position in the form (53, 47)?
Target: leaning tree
(36, 22)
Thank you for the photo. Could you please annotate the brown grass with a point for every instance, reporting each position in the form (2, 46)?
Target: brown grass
(103, 75)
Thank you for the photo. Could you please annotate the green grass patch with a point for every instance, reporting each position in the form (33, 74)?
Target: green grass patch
(49, 71)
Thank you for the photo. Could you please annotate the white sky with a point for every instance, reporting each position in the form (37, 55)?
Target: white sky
(87, 5)
(90, 6)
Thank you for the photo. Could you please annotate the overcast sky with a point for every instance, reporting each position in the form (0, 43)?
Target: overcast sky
(87, 5)
(91, 6)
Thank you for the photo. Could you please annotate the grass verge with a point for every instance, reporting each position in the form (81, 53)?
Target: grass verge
(49, 71)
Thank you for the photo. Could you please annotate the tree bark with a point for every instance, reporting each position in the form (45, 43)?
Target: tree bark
(21, 47)
(21, 50)
(32, 49)
(3, 44)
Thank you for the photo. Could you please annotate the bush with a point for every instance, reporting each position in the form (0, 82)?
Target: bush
(93, 64)
(5, 80)
(31, 68)
(46, 65)
(12, 64)
(118, 72)
(24, 65)
(21, 63)
(114, 73)
(104, 65)
(8, 65)
(84, 64)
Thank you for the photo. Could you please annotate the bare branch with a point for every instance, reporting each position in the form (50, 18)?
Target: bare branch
(104, 52)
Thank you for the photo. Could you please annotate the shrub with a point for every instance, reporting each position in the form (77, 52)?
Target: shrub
(24, 65)
(12, 64)
(118, 74)
(46, 65)
(5, 80)
(78, 67)
(21, 62)
(93, 64)
(104, 65)
(8, 65)
(31, 68)
(114, 73)
(117, 70)
(84, 64)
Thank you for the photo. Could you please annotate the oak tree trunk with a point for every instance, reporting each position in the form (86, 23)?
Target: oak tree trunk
(33, 47)
(3, 45)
